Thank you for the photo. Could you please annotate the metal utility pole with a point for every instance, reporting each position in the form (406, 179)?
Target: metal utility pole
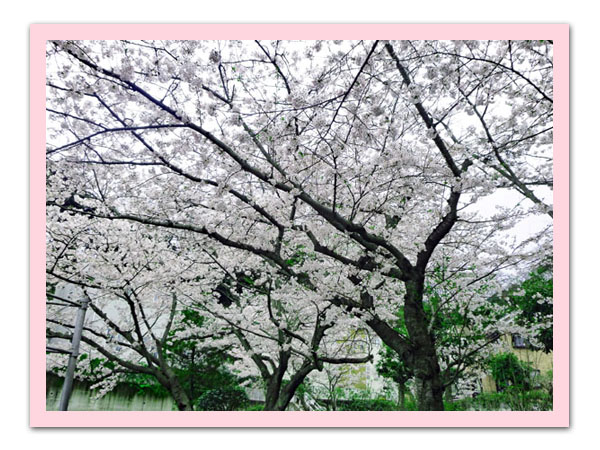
(68, 385)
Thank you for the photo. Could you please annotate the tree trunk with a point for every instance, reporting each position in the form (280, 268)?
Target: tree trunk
(275, 403)
(271, 400)
(429, 393)
(279, 395)
(288, 391)
(181, 398)
(170, 382)
(277, 399)
(401, 396)
(273, 392)
(426, 369)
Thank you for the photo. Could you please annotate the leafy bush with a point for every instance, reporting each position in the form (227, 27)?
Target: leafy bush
(532, 299)
(256, 407)
(509, 371)
(222, 399)
(512, 399)
(146, 384)
(367, 405)
(199, 369)
(410, 404)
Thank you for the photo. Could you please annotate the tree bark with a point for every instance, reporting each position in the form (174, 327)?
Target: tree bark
(170, 382)
(180, 396)
(401, 396)
(272, 395)
(427, 371)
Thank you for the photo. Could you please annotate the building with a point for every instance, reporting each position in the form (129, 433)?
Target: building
(540, 361)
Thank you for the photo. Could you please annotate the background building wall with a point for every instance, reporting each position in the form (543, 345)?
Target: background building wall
(122, 398)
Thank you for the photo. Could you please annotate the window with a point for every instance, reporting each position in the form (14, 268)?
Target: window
(518, 341)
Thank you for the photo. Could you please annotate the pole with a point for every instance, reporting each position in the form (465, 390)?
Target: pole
(68, 385)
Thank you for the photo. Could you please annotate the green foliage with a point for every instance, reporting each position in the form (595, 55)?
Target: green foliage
(363, 400)
(367, 405)
(390, 365)
(299, 256)
(451, 319)
(146, 384)
(508, 371)
(527, 298)
(546, 381)
(410, 404)
(90, 367)
(202, 373)
(511, 399)
(255, 407)
(199, 370)
(222, 399)
(192, 317)
(51, 288)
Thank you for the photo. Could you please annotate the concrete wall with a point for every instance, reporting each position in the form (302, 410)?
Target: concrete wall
(122, 398)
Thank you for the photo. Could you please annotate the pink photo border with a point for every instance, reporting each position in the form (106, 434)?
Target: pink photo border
(39, 417)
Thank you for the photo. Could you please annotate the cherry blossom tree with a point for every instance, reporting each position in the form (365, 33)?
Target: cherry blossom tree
(352, 169)
(276, 326)
(128, 277)
(138, 289)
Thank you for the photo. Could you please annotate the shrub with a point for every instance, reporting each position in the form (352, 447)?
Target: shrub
(360, 404)
(512, 399)
(508, 371)
(256, 407)
(222, 399)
